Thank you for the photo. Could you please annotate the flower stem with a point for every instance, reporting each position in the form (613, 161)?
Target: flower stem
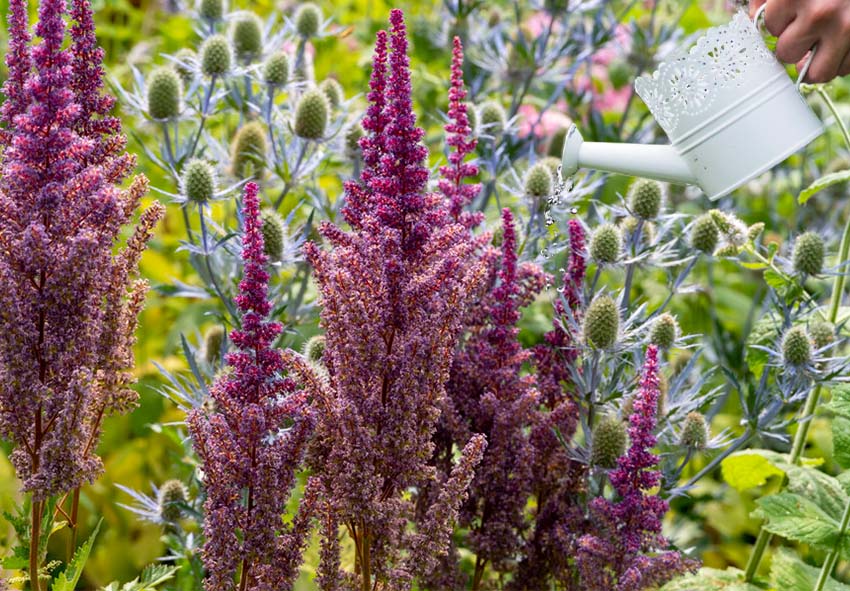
(802, 433)
(832, 557)
(35, 535)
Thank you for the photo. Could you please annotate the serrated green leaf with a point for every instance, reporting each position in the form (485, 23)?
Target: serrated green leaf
(711, 579)
(841, 441)
(789, 573)
(795, 517)
(824, 490)
(67, 581)
(840, 403)
(15, 563)
(751, 468)
(826, 181)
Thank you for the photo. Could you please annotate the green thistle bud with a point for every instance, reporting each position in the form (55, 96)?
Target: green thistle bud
(172, 494)
(705, 234)
(216, 56)
(165, 93)
(538, 181)
(822, 333)
(213, 344)
(556, 144)
(274, 235)
(680, 361)
(727, 250)
(276, 69)
(311, 115)
(212, 10)
(493, 118)
(628, 226)
(553, 164)
(734, 230)
(606, 244)
(472, 117)
(314, 348)
(796, 346)
(495, 17)
(248, 150)
(645, 198)
(199, 181)
(246, 32)
(694, 431)
(185, 59)
(333, 91)
(601, 323)
(755, 231)
(620, 73)
(809, 253)
(352, 141)
(308, 18)
(664, 331)
(609, 443)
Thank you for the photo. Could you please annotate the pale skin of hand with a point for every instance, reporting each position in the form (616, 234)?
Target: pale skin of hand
(799, 25)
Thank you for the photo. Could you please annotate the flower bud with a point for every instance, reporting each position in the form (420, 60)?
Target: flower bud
(822, 333)
(352, 141)
(628, 226)
(755, 231)
(694, 432)
(314, 348)
(796, 346)
(274, 235)
(727, 250)
(212, 9)
(664, 331)
(553, 164)
(276, 69)
(248, 150)
(809, 253)
(216, 56)
(308, 18)
(199, 181)
(171, 496)
(606, 244)
(333, 91)
(246, 32)
(556, 144)
(620, 73)
(733, 230)
(311, 115)
(185, 65)
(645, 198)
(213, 344)
(601, 323)
(680, 361)
(538, 181)
(165, 93)
(704, 234)
(493, 118)
(609, 443)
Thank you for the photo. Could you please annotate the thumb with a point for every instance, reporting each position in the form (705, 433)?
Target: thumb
(755, 5)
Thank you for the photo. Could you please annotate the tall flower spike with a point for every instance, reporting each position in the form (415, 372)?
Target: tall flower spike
(19, 63)
(625, 551)
(246, 446)
(462, 142)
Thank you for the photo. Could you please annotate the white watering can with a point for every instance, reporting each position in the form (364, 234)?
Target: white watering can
(728, 106)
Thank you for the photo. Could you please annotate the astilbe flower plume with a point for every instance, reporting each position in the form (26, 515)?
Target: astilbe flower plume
(624, 550)
(69, 302)
(394, 290)
(251, 442)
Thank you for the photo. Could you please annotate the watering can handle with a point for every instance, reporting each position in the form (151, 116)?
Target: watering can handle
(802, 74)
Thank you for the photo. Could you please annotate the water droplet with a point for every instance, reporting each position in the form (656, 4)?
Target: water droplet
(574, 210)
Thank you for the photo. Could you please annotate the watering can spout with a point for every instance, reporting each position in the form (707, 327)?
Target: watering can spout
(661, 163)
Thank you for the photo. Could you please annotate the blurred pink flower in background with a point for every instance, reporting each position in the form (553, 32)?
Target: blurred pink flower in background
(606, 97)
(554, 119)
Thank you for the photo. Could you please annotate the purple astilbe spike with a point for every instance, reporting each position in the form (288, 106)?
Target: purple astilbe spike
(69, 303)
(452, 185)
(625, 552)
(19, 63)
(94, 120)
(393, 293)
(249, 459)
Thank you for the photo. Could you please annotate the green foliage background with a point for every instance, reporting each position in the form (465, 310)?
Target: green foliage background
(135, 454)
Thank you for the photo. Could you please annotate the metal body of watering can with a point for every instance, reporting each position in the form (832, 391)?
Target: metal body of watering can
(729, 108)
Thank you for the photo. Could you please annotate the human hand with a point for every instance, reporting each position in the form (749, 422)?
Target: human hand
(801, 24)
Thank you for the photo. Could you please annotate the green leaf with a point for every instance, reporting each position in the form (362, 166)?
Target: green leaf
(789, 573)
(840, 403)
(795, 517)
(711, 579)
(822, 183)
(751, 468)
(67, 581)
(841, 441)
(824, 490)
